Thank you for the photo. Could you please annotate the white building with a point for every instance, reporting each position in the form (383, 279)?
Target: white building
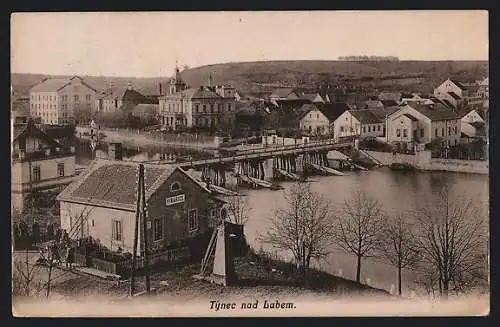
(55, 100)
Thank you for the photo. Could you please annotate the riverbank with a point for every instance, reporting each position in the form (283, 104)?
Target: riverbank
(134, 138)
(422, 160)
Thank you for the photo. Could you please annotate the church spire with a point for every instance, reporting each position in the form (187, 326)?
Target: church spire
(210, 79)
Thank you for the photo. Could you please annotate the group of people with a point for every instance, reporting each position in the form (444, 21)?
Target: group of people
(53, 251)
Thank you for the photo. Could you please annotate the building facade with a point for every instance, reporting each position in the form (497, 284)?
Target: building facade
(361, 123)
(102, 205)
(38, 163)
(313, 121)
(55, 100)
(204, 107)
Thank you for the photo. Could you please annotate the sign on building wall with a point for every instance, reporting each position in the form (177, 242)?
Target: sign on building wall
(175, 199)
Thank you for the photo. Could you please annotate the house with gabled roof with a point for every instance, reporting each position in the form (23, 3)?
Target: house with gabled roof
(55, 100)
(423, 124)
(312, 120)
(472, 124)
(359, 123)
(38, 162)
(283, 94)
(313, 97)
(101, 203)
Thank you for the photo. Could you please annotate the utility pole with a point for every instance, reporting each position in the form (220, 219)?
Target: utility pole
(144, 227)
(136, 235)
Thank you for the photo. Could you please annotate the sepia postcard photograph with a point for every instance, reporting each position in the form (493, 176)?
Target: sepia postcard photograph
(250, 164)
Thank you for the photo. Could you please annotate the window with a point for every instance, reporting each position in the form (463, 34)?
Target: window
(229, 107)
(88, 97)
(204, 108)
(436, 132)
(455, 130)
(310, 115)
(211, 107)
(175, 186)
(449, 130)
(398, 132)
(193, 220)
(456, 142)
(36, 174)
(442, 131)
(405, 133)
(369, 129)
(157, 229)
(341, 128)
(77, 98)
(378, 128)
(421, 132)
(60, 169)
(22, 144)
(117, 230)
(317, 116)
(364, 129)
(197, 107)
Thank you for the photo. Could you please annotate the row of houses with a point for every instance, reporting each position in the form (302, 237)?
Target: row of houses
(407, 124)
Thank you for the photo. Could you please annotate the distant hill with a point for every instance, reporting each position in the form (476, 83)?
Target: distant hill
(420, 76)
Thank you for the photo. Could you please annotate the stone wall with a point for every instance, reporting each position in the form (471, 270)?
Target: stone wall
(422, 160)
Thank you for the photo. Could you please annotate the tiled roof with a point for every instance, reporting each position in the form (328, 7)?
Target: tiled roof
(309, 96)
(198, 93)
(304, 110)
(447, 103)
(381, 113)
(55, 84)
(29, 129)
(365, 116)
(436, 112)
(333, 110)
(113, 183)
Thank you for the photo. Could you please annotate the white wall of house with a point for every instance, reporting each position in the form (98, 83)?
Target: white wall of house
(447, 86)
(315, 122)
(99, 224)
(472, 117)
(423, 123)
(468, 129)
(448, 130)
(346, 125)
(372, 130)
(401, 129)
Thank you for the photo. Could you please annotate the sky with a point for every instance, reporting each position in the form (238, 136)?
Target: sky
(148, 44)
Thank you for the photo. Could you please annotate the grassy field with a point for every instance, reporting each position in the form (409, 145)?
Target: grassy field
(303, 72)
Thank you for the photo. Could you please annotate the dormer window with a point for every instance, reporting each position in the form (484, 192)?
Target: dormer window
(175, 186)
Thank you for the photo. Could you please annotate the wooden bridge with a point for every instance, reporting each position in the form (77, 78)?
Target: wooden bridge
(268, 153)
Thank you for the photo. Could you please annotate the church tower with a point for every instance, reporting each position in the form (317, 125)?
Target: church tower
(177, 84)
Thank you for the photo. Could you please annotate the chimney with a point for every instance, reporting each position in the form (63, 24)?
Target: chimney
(115, 151)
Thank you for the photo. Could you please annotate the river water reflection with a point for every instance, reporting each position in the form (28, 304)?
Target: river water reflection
(397, 192)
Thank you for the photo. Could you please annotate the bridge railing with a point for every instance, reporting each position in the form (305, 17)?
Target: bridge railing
(269, 151)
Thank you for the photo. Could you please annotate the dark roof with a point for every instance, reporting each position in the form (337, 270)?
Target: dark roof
(447, 103)
(389, 103)
(333, 110)
(454, 95)
(411, 117)
(464, 111)
(292, 102)
(381, 113)
(457, 83)
(113, 183)
(436, 112)
(55, 84)
(365, 116)
(304, 110)
(29, 129)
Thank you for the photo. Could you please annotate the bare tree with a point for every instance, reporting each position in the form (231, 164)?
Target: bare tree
(398, 245)
(301, 228)
(359, 226)
(24, 277)
(238, 209)
(452, 237)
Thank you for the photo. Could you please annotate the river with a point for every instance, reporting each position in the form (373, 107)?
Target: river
(396, 191)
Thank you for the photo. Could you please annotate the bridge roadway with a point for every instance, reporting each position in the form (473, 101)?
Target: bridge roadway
(267, 153)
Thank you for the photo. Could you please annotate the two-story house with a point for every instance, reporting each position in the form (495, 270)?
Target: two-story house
(421, 124)
(38, 163)
(360, 123)
(55, 100)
